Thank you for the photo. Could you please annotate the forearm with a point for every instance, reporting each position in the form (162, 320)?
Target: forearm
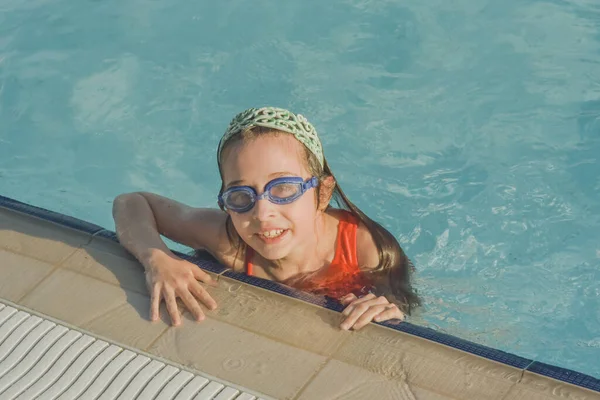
(136, 227)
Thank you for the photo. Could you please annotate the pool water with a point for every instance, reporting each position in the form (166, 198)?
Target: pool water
(470, 129)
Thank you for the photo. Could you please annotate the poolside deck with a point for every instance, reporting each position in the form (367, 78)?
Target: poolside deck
(273, 345)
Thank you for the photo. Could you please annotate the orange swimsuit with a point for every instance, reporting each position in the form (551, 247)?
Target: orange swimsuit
(343, 276)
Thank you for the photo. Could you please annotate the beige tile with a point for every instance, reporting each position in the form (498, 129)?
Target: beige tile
(36, 238)
(239, 356)
(102, 308)
(74, 298)
(19, 274)
(339, 380)
(277, 316)
(130, 323)
(109, 246)
(538, 387)
(108, 267)
(424, 394)
(398, 355)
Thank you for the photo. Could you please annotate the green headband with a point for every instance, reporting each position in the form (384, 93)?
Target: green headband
(275, 118)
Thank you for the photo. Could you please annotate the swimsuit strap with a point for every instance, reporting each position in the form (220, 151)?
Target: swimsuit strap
(345, 248)
(248, 260)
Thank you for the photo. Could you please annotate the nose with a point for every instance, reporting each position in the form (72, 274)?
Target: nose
(263, 209)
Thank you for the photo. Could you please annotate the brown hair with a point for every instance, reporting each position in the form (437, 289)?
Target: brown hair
(391, 276)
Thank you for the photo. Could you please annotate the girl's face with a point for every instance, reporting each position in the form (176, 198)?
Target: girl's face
(272, 230)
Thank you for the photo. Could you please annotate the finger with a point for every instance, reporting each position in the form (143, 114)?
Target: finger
(202, 276)
(154, 303)
(171, 303)
(347, 299)
(359, 300)
(391, 312)
(370, 299)
(201, 294)
(358, 308)
(192, 304)
(368, 316)
(358, 312)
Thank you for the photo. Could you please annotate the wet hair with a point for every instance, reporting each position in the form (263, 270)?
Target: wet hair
(393, 274)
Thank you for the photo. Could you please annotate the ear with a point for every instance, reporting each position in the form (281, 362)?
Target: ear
(326, 188)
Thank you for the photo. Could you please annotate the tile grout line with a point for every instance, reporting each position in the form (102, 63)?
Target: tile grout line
(525, 370)
(68, 228)
(85, 325)
(321, 368)
(510, 389)
(514, 385)
(153, 342)
(33, 257)
(55, 267)
(312, 378)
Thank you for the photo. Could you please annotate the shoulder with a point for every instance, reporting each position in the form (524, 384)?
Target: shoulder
(366, 249)
(198, 228)
(208, 228)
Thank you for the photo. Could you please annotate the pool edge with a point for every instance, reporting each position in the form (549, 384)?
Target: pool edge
(551, 371)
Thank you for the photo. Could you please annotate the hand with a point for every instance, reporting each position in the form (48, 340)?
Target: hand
(169, 277)
(360, 311)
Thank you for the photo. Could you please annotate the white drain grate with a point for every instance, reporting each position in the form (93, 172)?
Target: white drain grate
(40, 359)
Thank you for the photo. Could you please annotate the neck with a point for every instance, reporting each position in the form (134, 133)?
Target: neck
(308, 256)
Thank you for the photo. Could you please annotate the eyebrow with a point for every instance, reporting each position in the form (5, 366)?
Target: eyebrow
(272, 176)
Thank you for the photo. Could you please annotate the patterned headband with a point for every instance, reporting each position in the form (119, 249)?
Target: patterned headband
(275, 118)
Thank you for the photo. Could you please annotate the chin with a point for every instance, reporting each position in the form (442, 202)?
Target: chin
(273, 254)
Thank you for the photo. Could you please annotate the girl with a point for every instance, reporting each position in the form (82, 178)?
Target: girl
(275, 222)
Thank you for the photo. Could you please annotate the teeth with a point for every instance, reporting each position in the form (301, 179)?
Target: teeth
(273, 233)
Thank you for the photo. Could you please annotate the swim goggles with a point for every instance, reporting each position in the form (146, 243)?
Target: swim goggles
(283, 190)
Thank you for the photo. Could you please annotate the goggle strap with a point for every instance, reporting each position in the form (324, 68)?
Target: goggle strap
(313, 182)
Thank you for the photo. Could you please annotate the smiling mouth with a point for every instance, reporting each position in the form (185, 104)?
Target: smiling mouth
(272, 234)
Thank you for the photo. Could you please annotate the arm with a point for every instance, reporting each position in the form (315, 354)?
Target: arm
(140, 218)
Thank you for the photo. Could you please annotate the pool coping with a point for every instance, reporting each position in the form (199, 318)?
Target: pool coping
(555, 372)
(138, 352)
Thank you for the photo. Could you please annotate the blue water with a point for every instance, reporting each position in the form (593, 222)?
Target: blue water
(470, 128)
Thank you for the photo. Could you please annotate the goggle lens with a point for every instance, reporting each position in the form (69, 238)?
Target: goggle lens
(284, 191)
(238, 199)
(278, 191)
